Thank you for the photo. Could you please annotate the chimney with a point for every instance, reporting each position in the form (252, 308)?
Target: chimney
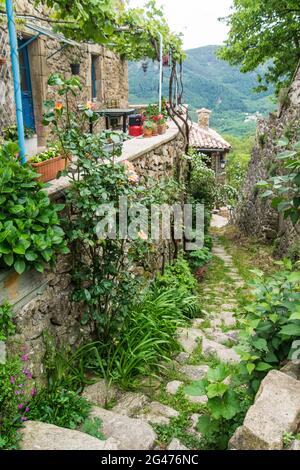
(203, 118)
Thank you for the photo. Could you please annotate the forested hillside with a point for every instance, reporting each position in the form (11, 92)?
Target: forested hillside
(212, 83)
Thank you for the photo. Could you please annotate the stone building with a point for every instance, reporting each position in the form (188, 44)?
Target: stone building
(103, 74)
(207, 141)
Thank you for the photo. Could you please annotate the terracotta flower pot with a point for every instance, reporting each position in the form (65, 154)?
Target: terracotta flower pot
(155, 129)
(49, 168)
(161, 129)
(147, 132)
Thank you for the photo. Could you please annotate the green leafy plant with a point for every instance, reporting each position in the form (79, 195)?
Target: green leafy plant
(148, 337)
(61, 407)
(199, 258)
(10, 134)
(92, 426)
(7, 327)
(148, 125)
(227, 404)
(284, 188)
(272, 323)
(52, 152)
(30, 232)
(16, 394)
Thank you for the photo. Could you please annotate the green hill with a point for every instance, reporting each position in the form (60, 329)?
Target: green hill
(210, 83)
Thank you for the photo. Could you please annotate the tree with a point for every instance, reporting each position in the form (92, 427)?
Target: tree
(264, 32)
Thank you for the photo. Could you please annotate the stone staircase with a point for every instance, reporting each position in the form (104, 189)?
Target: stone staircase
(128, 425)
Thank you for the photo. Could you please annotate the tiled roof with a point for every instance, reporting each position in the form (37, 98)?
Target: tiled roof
(207, 139)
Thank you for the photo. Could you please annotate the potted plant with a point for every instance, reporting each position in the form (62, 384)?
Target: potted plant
(47, 164)
(148, 128)
(75, 62)
(161, 124)
(154, 125)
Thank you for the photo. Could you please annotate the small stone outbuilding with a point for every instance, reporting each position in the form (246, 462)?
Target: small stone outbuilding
(208, 142)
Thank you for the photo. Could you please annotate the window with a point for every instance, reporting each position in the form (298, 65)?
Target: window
(94, 77)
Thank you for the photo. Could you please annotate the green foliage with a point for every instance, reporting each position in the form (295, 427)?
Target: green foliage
(30, 232)
(52, 152)
(238, 160)
(177, 276)
(10, 134)
(271, 325)
(148, 337)
(226, 405)
(131, 32)
(60, 407)
(202, 182)
(93, 428)
(64, 367)
(15, 397)
(7, 327)
(199, 258)
(284, 189)
(273, 27)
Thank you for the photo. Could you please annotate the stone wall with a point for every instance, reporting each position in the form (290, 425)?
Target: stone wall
(111, 71)
(42, 302)
(254, 215)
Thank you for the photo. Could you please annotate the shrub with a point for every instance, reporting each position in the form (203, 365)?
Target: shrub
(30, 232)
(283, 189)
(202, 185)
(61, 407)
(7, 327)
(177, 275)
(16, 392)
(272, 324)
(199, 258)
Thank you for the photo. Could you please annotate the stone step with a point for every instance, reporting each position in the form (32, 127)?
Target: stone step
(130, 403)
(42, 436)
(194, 372)
(157, 413)
(223, 353)
(131, 433)
(275, 411)
(189, 338)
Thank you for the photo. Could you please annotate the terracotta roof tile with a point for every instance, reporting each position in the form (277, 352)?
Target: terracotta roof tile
(207, 139)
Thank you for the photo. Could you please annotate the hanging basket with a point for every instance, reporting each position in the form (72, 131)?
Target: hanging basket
(75, 69)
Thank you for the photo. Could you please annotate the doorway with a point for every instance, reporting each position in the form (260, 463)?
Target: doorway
(26, 88)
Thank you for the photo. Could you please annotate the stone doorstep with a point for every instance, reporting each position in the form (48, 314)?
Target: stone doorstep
(131, 433)
(42, 436)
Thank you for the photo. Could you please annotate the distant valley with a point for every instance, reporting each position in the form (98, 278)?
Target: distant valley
(210, 83)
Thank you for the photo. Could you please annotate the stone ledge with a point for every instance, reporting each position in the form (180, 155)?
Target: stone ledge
(132, 149)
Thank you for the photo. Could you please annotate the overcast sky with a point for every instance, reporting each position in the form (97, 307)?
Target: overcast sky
(196, 19)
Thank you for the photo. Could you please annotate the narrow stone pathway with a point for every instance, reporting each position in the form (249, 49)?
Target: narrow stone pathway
(132, 421)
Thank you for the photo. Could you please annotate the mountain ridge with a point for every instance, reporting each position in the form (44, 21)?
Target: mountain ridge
(211, 83)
